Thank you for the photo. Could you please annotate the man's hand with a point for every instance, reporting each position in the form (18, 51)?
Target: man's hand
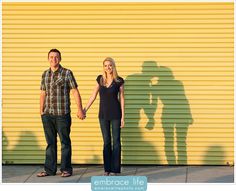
(81, 115)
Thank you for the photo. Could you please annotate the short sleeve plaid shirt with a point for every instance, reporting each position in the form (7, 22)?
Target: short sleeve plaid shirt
(57, 86)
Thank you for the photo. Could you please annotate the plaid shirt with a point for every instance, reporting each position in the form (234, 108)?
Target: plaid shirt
(57, 86)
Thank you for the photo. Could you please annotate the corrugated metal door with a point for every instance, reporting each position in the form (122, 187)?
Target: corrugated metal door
(177, 59)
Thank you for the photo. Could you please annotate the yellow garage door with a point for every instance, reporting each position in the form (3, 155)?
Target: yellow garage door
(177, 62)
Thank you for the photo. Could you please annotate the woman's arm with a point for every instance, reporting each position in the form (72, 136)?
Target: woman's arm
(92, 98)
(122, 103)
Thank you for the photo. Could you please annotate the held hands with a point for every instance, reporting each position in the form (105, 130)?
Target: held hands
(81, 114)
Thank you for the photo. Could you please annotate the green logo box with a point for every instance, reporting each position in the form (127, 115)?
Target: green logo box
(119, 183)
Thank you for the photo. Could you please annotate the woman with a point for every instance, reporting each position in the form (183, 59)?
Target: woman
(111, 114)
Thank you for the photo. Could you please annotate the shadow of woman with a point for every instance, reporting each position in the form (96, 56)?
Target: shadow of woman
(135, 149)
(176, 114)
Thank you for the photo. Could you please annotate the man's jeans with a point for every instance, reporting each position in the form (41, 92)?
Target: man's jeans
(111, 155)
(52, 125)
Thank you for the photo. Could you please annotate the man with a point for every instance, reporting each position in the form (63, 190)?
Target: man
(55, 113)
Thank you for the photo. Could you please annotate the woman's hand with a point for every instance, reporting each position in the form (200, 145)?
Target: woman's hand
(122, 123)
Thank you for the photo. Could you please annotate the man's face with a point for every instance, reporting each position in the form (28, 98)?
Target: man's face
(54, 59)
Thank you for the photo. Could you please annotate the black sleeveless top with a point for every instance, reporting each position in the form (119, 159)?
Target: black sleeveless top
(110, 107)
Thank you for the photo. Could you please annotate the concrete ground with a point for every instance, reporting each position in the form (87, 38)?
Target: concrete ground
(154, 174)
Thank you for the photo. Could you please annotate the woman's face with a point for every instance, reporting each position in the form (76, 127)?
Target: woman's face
(108, 67)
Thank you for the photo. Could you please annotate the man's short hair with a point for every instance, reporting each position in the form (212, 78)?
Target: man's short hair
(54, 50)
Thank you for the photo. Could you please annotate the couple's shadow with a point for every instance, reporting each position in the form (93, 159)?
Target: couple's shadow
(156, 86)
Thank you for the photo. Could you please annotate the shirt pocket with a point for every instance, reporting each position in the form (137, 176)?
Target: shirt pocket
(60, 82)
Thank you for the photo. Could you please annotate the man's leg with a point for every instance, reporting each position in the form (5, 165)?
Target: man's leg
(50, 165)
(63, 124)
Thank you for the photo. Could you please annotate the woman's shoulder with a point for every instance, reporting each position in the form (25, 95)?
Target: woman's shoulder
(120, 80)
(99, 77)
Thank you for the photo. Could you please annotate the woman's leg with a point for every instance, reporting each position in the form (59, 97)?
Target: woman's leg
(116, 150)
(106, 134)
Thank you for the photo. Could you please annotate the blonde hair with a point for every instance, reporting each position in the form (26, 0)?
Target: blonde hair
(114, 71)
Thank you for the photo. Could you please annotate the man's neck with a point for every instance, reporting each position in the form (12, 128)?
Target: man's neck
(54, 69)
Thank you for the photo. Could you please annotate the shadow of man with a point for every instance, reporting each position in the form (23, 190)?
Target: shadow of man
(4, 145)
(176, 114)
(136, 150)
(26, 150)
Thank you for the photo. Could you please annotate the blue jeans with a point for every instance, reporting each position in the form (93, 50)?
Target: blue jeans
(54, 125)
(111, 152)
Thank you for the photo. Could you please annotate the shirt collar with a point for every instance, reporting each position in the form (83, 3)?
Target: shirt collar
(57, 71)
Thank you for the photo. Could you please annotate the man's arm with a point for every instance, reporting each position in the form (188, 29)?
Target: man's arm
(78, 101)
(42, 101)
